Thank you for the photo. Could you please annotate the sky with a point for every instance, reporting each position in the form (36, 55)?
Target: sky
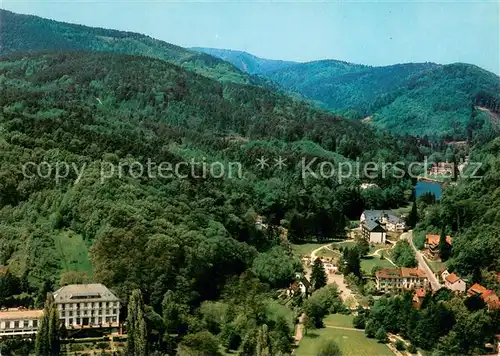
(358, 31)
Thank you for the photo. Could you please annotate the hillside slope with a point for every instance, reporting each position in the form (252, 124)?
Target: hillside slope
(244, 61)
(149, 109)
(412, 98)
(27, 33)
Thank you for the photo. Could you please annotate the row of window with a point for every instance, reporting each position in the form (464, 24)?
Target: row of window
(19, 324)
(92, 321)
(64, 306)
(65, 313)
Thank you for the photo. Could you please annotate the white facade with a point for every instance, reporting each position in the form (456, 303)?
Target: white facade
(378, 237)
(19, 322)
(87, 305)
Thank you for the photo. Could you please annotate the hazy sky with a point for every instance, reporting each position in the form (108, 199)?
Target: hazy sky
(368, 32)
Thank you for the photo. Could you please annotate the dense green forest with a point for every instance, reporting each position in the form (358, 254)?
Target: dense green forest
(26, 33)
(189, 235)
(412, 98)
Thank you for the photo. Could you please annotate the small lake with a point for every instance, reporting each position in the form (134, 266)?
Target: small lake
(423, 187)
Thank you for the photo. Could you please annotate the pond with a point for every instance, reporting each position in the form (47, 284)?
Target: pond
(423, 187)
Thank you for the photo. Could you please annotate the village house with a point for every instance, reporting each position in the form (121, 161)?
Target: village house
(87, 306)
(17, 322)
(454, 283)
(489, 297)
(300, 286)
(399, 279)
(418, 298)
(431, 245)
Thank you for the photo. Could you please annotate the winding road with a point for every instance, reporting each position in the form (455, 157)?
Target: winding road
(435, 285)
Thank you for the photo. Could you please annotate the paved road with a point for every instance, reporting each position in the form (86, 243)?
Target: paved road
(435, 285)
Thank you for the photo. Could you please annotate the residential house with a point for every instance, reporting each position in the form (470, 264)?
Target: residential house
(87, 306)
(487, 295)
(373, 231)
(431, 245)
(388, 219)
(418, 298)
(455, 283)
(399, 279)
(19, 322)
(300, 286)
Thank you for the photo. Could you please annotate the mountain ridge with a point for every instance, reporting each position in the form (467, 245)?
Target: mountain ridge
(406, 98)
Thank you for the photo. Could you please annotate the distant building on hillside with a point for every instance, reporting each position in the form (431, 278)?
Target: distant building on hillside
(431, 245)
(87, 306)
(19, 322)
(442, 169)
(400, 279)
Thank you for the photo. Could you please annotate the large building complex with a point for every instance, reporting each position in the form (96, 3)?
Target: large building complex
(87, 306)
(19, 322)
(376, 223)
(399, 279)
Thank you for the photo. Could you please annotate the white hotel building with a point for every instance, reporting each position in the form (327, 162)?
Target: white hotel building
(87, 306)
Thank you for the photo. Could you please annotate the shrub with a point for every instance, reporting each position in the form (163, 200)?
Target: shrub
(400, 345)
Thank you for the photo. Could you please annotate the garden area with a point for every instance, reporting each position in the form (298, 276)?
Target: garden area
(338, 328)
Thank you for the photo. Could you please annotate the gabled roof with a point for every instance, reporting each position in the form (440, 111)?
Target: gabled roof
(388, 273)
(434, 239)
(476, 288)
(378, 214)
(412, 272)
(373, 225)
(452, 278)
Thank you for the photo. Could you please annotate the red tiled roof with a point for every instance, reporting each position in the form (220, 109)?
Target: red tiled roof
(388, 273)
(434, 239)
(477, 289)
(420, 292)
(412, 272)
(452, 278)
(400, 273)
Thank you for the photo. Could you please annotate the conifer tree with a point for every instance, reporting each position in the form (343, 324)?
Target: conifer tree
(136, 326)
(47, 338)
(318, 274)
(262, 347)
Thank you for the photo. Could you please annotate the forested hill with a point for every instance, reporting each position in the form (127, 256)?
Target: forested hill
(200, 231)
(27, 33)
(412, 98)
(244, 61)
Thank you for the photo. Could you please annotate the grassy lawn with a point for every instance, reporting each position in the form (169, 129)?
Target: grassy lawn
(73, 252)
(348, 243)
(305, 249)
(368, 263)
(351, 343)
(435, 265)
(328, 253)
(375, 247)
(339, 320)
